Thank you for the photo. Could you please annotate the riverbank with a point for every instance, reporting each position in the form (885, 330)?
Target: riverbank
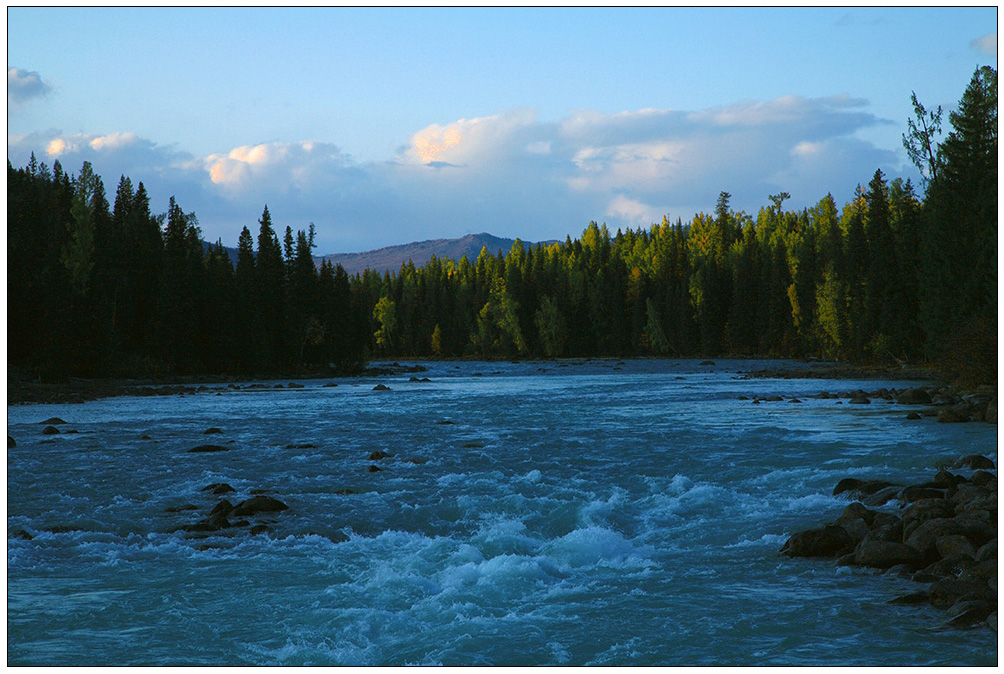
(940, 533)
(23, 389)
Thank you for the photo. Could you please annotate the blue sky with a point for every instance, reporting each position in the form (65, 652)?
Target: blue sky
(387, 125)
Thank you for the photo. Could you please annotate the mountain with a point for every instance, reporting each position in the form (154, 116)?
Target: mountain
(392, 257)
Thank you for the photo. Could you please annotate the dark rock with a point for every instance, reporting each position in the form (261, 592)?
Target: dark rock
(181, 508)
(52, 421)
(255, 492)
(983, 478)
(218, 488)
(240, 523)
(859, 400)
(913, 416)
(377, 455)
(885, 554)
(990, 416)
(50, 430)
(211, 431)
(866, 487)
(304, 445)
(925, 537)
(258, 504)
(882, 496)
(208, 448)
(223, 507)
(145, 437)
(374, 469)
(975, 461)
(707, 362)
(345, 492)
(413, 378)
(381, 387)
(917, 492)
(944, 593)
(330, 385)
(923, 510)
(218, 520)
(944, 479)
(969, 613)
(982, 572)
(950, 566)
(259, 529)
(446, 422)
(950, 415)
(827, 541)
(11, 442)
(955, 544)
(21, 534)
(856, 511)
(856, 529)
(293, 384)
(913, 396)
(912, 599)
(987, 551)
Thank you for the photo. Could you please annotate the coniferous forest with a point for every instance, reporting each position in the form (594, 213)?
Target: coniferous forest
(901, 273)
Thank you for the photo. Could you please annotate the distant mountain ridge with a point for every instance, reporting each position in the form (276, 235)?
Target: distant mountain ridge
(392, 257)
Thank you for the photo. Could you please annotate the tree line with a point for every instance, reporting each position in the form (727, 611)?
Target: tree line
(97, 288)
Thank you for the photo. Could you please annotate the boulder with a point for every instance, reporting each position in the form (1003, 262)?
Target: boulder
(11, 442)
(950, 566)
(882, 496)
(827, 541)
(181, 508)
(21, 534)
(991, 414)
(987, 551)
(955, 544)
(52, 421)
(377, 455)
(381, 387)
(856, 511)
(975, 461)
(945, 593)
(208, 448)
(912, 599)
(857, 486)
(885, 554)
(913, 396)
(859, 400)
(259, 529)
(301, 445)
(212, 431)
(950, 415)
(258, 504)
(924, 538)
(912, 416)
(223, 507)
(923, 510)
(918, 492)
(944, 479)
(969, 613)
(374, 469)
(218, 488)
(984, 479)
(50, 430)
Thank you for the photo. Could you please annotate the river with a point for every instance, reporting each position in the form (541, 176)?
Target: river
(559, 513)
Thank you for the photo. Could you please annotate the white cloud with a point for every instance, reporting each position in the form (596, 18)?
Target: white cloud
(986, 44)
(24, 85)
(509, 173)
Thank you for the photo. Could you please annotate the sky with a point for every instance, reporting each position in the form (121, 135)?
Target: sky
(389, 125)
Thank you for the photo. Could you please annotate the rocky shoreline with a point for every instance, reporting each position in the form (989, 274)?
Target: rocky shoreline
(24, 390)
(941, 533)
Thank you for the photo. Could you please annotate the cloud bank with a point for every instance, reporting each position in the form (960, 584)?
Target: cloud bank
(986, 44)
(510, 174)
(24, 85)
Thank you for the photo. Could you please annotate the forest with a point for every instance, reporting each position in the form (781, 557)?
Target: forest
(98, 288)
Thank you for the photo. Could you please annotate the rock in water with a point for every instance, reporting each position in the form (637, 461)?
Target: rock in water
(208, 448)
(258, 504)
(50, 430)
(827, 541)
(52, 421)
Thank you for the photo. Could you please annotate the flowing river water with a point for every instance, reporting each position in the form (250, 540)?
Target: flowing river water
(537, 513)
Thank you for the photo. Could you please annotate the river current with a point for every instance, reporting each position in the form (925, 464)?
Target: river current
(560, 513)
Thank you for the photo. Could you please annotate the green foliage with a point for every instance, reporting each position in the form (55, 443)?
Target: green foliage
(890, 276)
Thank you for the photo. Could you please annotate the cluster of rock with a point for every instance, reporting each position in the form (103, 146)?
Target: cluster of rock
(944, 535)
(226, 515)
(946, 403)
